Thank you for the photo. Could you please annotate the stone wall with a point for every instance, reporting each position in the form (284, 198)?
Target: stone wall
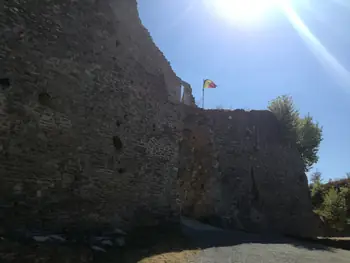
(236, 170)
(187, 96)
(89, 116)
(91, 123)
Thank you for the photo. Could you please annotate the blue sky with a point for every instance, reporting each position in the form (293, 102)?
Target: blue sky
(256, 62)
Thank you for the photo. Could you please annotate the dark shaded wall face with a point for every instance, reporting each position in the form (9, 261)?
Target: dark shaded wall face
(237, 170)
(89, 116)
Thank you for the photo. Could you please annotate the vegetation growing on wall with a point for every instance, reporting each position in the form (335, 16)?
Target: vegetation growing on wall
(304, 131)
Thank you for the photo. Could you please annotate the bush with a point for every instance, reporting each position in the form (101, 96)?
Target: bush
(317, 190)
(304, 132)
(333, 208)
(331, 201)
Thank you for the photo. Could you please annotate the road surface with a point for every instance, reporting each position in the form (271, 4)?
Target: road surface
(219, 245)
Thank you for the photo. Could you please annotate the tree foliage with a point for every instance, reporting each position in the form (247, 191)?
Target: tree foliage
(285, 111)
(303, 131)
(316, 188)
(331, 200)
(309, 137)
(333, 208)
(316, 178)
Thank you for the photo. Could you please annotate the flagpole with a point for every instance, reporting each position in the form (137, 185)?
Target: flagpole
(203, 95)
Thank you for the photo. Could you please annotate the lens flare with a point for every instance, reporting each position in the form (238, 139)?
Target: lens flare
(241, 11)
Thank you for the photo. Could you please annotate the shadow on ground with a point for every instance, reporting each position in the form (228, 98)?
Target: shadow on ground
(167, 243)
(169, 239)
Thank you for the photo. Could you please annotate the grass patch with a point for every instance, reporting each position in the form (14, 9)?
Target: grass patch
(171, 257)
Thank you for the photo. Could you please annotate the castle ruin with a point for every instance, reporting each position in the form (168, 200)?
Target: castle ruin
(93, 132)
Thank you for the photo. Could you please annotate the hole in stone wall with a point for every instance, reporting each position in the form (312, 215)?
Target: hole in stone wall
(118, 123)
(117, 143)
(45, 99)
(5, 82)
(117, 43)
(154, 127)
(121, 170)
(193, 137)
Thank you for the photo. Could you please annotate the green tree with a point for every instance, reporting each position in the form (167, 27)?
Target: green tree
(285, 111)
(316, 178)
(316, 189)
(304, 132)
(309, 137)
(333, 208)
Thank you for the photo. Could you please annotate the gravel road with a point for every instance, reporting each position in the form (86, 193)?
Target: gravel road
(238, 247)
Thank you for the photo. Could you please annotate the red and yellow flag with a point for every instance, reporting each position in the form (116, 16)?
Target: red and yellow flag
(209, 84)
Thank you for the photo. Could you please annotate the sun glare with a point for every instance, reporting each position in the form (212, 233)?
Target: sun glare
(246, 11)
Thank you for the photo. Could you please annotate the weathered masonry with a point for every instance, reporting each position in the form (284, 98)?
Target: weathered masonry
(92, 131)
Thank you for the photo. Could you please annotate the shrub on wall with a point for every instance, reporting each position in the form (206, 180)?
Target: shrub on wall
(303, 131)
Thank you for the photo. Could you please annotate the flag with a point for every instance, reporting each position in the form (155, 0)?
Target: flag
(209, 84)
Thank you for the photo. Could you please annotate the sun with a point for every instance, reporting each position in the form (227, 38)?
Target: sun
(242, 11)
